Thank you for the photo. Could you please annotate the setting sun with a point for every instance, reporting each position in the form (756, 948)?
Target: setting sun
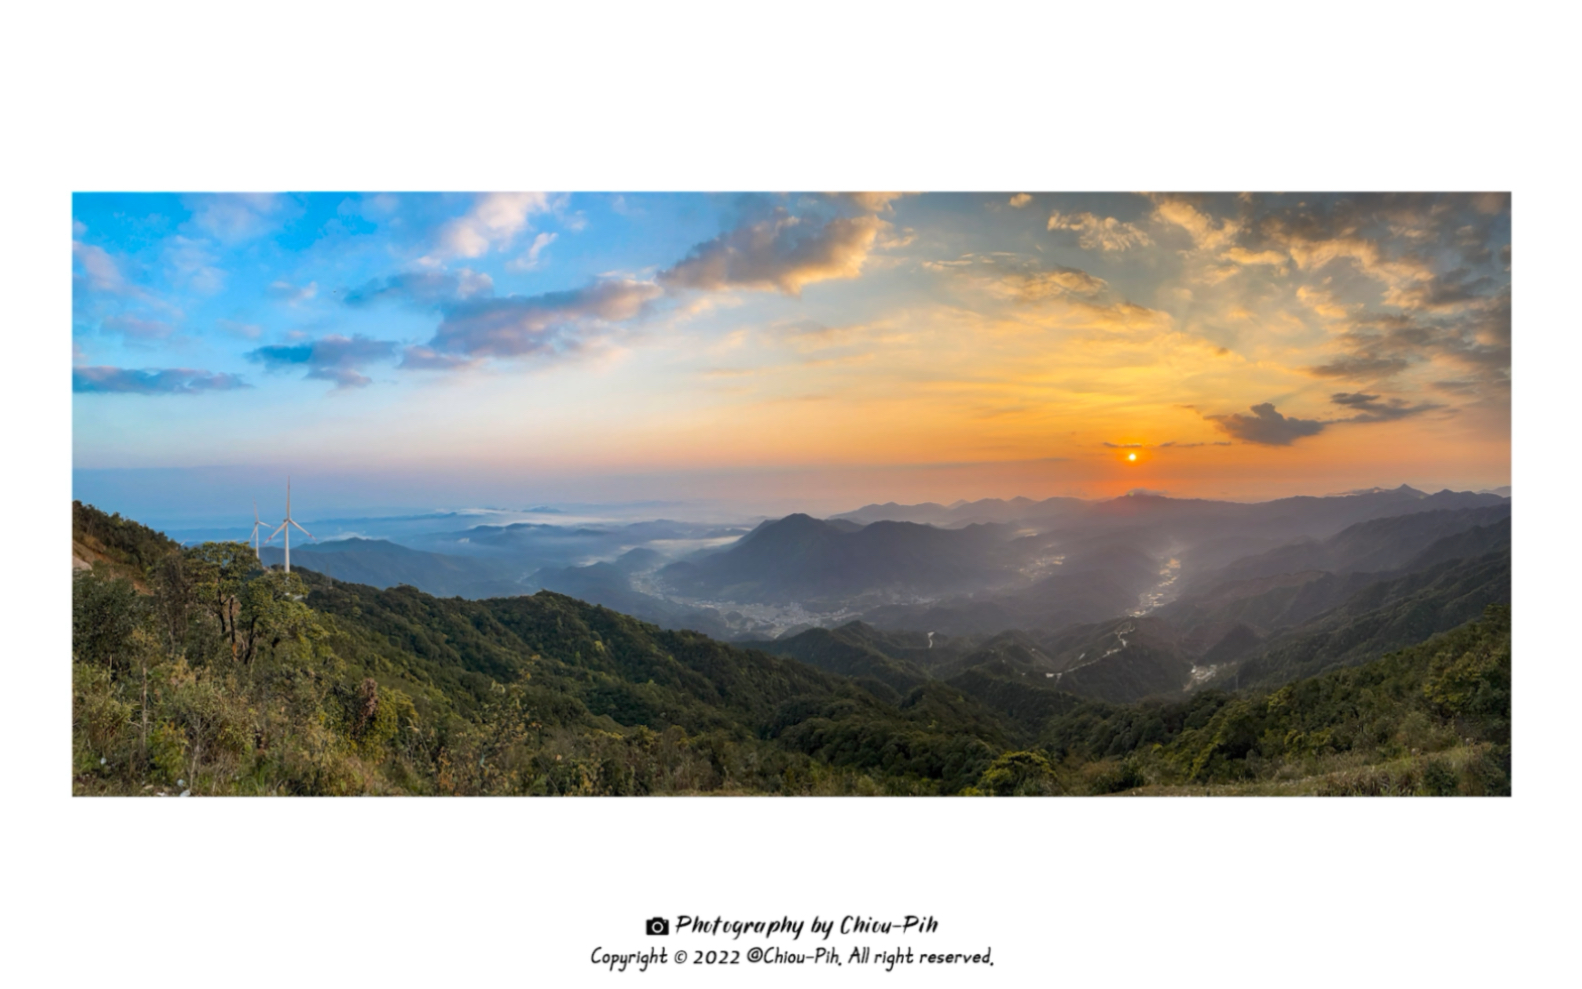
(1131, 456)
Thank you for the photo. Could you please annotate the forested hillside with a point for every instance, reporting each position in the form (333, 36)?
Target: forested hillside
(197, 671)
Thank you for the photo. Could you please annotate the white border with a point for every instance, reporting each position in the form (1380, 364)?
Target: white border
(717, 96)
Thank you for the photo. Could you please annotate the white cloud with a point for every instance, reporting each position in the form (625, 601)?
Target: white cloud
(293, 294)
(1206, 235)
(102, 273)
(232, 218)
(1099, 233)
(530, 260)
(191, 264)
(493, 222)
(137, 328)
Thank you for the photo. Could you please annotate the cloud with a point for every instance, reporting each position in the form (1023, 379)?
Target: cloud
(871, 202)
(517, 325)
(1315, 238)
(100, 272)
(1321, 302)
(1205, 233)
(192, 265)
(1360, 366)
(1491, 202)
(331, 358)
(424, 288)
(530, 260)
(428, 359)
(493, 221)
(151, 381)
(782, 252)
(232, 218)
(1019, 200)
(1244, 257)
(1266, 426)
(1370, 409)
(251, 331)
(1476, 336)
(1099, 233)
(136, 328)
(1437, 292)
(292, 294)
(1024, 280)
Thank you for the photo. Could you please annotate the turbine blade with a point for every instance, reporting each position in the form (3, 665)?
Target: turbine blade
(302, 530)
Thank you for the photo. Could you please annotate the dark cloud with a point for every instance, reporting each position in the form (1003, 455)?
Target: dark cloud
(549, 323)
(1369, 408)
(1161, 446)
(152, 381)
(1028, 279)
(331, 358)
(1453, 288)
(424, 289)
(1266, 426)
(781, 252)
(1361, 366)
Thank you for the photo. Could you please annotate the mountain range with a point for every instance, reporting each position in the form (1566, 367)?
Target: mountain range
(251, 680)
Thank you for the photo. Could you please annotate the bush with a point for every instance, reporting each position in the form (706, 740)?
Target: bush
(1112, 776)
(1019, 774)
(1440, 780)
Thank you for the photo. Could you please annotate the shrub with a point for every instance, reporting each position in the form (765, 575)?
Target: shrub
(1019, 774)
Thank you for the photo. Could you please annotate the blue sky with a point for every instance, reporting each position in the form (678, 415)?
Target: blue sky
(420, 349)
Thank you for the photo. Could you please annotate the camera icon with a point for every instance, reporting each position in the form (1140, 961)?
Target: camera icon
(657, 926)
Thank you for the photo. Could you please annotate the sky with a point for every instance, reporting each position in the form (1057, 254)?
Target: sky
(775, 352)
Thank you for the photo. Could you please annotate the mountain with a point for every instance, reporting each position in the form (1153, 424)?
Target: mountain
(986, 510)
(1376, 545)
(235, 679)
(385, 564)
(1385, 615)
(850, 651)
(1284, 518)
(800, 558)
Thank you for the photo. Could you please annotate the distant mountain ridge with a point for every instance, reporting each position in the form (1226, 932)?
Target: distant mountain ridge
(800, 557)
(381, 563)
(1337, 511)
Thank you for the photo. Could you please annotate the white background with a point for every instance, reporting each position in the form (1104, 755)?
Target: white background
(981, 96)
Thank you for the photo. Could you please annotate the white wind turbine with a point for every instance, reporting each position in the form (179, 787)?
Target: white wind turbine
(256, 526)
(286, 527)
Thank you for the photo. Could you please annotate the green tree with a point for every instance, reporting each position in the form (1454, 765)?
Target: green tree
(1019, 774)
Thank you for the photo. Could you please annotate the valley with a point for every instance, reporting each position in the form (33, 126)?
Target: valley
(1134, 645)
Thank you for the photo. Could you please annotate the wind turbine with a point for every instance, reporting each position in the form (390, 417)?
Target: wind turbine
(256, 526)
(286, 527)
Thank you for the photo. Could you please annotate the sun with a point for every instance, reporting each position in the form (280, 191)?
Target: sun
(1131, 457)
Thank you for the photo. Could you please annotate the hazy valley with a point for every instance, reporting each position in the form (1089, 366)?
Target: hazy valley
(1138, 644)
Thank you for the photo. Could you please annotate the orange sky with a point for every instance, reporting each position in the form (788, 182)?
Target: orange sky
(876, 347)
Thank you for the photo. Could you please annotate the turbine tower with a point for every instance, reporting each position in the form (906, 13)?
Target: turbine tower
(286, 527)
(256, 526)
